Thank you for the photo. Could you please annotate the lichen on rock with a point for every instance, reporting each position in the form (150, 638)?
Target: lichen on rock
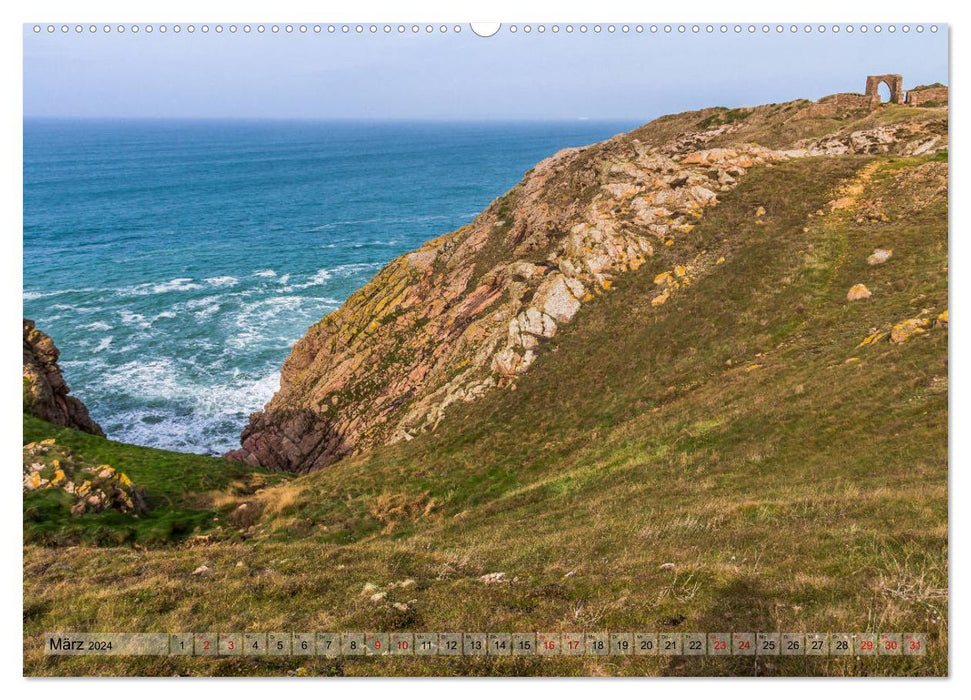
(92, 487)
(472, 310)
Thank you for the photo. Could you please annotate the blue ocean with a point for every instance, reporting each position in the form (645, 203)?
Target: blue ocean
(175, 263)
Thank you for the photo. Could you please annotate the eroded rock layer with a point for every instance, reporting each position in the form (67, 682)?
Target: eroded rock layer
(45, 391)
(468, 312)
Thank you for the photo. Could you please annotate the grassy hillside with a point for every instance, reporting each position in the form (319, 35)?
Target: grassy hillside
(795, 479)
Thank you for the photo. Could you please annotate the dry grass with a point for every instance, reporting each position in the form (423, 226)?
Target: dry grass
(809, 494)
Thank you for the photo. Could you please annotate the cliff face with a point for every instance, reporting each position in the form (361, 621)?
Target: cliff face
(468, 312)
(45, 391)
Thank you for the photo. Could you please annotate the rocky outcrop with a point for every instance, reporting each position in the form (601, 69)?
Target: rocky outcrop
(92, 487)
(471, 311)
(45, 391)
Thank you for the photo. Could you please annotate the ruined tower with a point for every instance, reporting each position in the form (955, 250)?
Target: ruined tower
(892, 80)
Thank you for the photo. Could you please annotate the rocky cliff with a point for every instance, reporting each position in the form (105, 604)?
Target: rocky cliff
(45, 391)
(469, 312)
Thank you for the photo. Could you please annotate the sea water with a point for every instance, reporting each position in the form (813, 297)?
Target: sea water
(175, 263)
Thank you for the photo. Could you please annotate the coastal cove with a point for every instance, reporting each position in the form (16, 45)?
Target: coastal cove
(176, 262)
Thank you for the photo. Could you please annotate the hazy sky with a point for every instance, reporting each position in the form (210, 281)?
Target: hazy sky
(454, 76)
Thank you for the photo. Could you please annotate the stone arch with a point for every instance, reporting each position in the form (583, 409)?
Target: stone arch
(894, 82)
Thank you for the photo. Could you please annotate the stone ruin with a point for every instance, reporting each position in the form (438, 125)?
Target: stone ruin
(930, 95)
(831, 105)
(893, 81)
(935, 94)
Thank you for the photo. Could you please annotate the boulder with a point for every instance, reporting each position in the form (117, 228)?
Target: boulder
(905, 330)
(858, 291)
(879, 256)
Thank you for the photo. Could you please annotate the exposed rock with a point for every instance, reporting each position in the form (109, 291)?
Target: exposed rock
(557, 297)
(470, 311)
(45, 392)
(858, 291)
(661, 298)
(201, 571)
(879, 256)
(907, 329)
(92, 487)
(904, 139)
(496, 577)
(874, 337)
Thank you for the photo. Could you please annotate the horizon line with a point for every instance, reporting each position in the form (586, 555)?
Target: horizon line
(60, 117)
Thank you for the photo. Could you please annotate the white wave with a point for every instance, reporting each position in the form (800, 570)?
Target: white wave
(265, 273)
(137, 320)
(257, 322)
(325, 274)
(172, 380)
(349, 269)
(97, 326)
(224, 281)
(285, 278)
(318, 278)
(179, 284)
(190, 410)
(203, 302)
(147, 380)
(104, 344)
(206, 311)
(130, 318)
(31, 296)
(90, 364)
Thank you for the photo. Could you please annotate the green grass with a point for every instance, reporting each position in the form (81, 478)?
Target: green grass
(797, 481)
(723, 116)
(169, 477)
(176, 488)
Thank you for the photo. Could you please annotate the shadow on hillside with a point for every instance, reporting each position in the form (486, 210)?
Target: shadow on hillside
(741, 606)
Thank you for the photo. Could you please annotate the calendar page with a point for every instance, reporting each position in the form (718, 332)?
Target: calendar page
(423, 348)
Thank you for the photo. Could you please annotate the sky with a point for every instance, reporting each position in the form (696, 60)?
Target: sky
(454, 76)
